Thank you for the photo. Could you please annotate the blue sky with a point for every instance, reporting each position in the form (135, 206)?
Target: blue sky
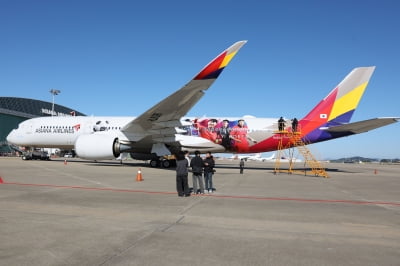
(122, 57)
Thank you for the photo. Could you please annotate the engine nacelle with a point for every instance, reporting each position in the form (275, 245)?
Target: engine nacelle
(97, 147)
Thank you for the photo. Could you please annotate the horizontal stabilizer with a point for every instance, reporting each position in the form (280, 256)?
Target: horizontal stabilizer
(362, 126)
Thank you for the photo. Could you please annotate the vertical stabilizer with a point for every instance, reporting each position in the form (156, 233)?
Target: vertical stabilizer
(350, 91)
(338, 107)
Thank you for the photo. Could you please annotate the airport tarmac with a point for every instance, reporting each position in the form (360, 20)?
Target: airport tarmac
(86, 213)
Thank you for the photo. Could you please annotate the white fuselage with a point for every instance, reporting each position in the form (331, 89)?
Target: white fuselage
(62, 132)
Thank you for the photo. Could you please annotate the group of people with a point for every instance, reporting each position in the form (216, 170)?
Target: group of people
(282, 123)
(233, 137)
(199, 167)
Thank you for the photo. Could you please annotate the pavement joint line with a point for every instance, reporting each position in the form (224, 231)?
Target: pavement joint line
(354, 202)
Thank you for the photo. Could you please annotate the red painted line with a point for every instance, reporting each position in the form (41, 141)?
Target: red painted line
(89, 188)
(213, 195)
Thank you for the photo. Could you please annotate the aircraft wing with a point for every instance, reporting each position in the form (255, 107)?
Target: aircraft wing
(166, 114)
(362, 126)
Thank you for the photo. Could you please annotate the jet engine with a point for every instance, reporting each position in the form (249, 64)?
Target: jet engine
(99, 147)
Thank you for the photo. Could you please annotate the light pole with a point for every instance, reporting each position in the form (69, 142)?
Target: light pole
(54, 92)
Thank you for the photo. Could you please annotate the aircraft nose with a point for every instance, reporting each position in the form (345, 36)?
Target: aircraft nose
(11, 137)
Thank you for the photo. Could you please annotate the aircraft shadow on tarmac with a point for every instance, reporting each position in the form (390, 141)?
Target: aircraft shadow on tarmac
(218, 166)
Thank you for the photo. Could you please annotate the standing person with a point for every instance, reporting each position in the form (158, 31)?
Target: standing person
(224, 134)
(209, 171)
(281, 124)
(197, 169)
(187, 157)
(241, 165)
(239, 135)
(182, 175)
(295, 122)
(209, 132)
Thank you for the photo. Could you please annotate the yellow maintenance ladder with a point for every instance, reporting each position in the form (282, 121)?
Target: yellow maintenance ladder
(290, 140)
(283, 138)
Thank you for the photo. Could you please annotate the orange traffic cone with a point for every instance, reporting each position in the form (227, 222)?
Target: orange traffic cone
(376, 171)
(139, 175)
(1, 180)
(65, 162)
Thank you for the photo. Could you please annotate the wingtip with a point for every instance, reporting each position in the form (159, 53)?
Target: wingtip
(215, 67)
(236, 46)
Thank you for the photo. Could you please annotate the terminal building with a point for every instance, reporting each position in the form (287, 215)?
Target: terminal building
(14, 110)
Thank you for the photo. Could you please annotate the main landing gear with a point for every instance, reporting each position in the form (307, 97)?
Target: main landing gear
(164, 163)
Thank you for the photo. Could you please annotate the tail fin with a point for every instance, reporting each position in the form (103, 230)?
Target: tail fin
(338, 107)
(349, 93)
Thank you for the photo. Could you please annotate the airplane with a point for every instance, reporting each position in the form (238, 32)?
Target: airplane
(252, 157)
(259, 158)
(284, 159)
(163, 130)
(273, 158)
(240, 157)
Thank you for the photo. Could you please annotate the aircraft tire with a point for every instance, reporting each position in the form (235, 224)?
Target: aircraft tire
(154, 163)
(166, 164)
